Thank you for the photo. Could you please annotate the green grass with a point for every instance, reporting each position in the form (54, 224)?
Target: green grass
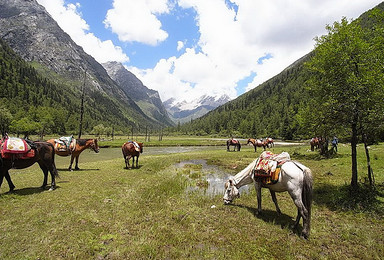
(107, 212)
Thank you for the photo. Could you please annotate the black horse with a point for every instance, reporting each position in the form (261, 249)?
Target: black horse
(44, 156)
(235, 143)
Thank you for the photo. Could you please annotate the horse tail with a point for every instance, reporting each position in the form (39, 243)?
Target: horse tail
(54, 170)
(307, 192)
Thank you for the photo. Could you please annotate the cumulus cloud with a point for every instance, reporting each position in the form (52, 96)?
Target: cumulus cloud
(136, 20)
(69, 19)
(232, 41)
(233, 36)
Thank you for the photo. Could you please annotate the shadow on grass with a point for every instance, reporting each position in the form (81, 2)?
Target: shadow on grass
(78, 170)
(341, 198)
(132, 168)
(272, 217)
(29, 191)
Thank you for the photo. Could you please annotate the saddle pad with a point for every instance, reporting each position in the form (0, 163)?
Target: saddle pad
(27, 155)
(64, 144)
(15, 145)
(267, 169)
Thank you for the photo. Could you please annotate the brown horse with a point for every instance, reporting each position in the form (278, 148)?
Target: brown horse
(269, 142)
(235, 143)
(315, 143)
(81, 145)
(257, 143)
(44, 156)
(130, 151)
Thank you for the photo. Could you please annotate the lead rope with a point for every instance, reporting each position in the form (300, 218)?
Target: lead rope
(297, 166)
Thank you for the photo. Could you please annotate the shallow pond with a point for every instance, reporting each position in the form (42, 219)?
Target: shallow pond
(214, 177)
(113, 153)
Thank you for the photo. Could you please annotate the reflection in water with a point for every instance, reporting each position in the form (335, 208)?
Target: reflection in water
(213, 175)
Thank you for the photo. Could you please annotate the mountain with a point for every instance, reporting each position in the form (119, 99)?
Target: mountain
(147, 99)
(32, 33)
(186, 111)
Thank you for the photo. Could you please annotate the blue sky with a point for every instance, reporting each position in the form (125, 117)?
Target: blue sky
(188, 48)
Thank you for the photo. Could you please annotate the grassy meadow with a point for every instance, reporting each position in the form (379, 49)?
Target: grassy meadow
(160, 211)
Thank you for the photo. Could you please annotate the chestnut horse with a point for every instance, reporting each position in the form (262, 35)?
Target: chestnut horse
(81, 145)
(257, 143)
(235, 143)
(269, 142)
(44, 156)
(129, 150)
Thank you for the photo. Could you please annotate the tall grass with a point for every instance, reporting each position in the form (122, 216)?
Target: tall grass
(107, 212)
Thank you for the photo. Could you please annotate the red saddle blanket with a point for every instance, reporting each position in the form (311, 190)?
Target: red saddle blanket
(17, 148)
(267, 168)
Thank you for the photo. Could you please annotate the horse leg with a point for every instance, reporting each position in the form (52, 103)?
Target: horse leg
(274, 199)
(45, 172)
(127, 160)
(53, 172)
(137, 161)
(258, 192)
(301, 211)
(8, 178)
(70, 165)
(77, 162)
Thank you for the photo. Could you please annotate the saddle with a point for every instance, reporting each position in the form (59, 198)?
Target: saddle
(16, 148)
(267, 169)
(65, 144)
(136, 145)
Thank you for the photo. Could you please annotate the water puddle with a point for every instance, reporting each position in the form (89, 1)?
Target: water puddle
(207, 179)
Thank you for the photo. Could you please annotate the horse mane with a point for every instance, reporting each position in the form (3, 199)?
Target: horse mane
(82, 142)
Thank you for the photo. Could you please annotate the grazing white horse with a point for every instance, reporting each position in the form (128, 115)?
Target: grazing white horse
(294, 178)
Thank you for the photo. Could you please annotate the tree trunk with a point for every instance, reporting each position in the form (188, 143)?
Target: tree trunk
(354, 153)
(370, 171)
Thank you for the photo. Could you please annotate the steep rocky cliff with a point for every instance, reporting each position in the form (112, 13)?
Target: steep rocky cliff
(36, 37)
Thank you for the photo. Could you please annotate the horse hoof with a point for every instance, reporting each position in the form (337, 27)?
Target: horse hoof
(51, 189)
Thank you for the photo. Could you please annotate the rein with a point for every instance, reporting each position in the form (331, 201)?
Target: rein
(297, 165)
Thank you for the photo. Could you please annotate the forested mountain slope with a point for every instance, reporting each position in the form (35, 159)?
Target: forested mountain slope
(32, 33)
(270, 109)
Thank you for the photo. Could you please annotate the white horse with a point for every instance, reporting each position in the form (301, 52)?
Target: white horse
(294, 178)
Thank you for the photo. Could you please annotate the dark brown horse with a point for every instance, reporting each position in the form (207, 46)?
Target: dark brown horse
(44, 156)
(257, 143)
(235, 143)
(130, 150)
(81, 145)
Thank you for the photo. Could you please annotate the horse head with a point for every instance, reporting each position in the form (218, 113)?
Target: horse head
(231, 192)
(94, 146)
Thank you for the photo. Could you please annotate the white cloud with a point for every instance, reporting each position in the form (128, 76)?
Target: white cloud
(231, 43)
(69, 19)
(136, 21)
(180, 45)
(229, 46)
